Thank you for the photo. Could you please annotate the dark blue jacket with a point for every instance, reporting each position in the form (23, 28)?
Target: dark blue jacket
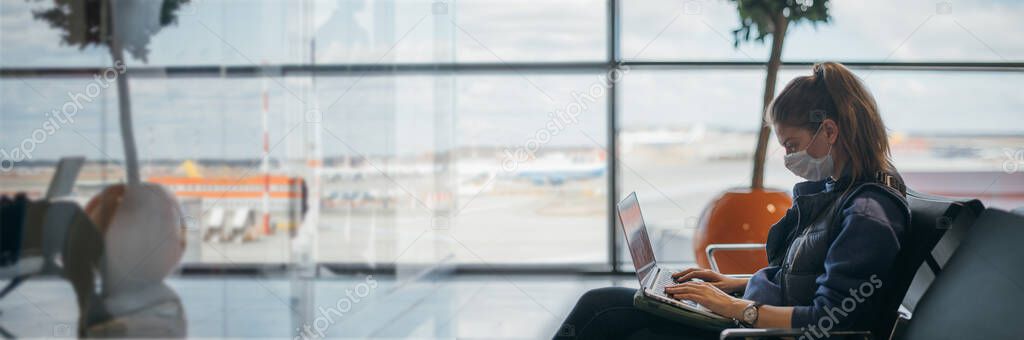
(865, 238)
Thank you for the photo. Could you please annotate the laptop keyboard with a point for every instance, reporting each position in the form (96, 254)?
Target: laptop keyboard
(665, 279)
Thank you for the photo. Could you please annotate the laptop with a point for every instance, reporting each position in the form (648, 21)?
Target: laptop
(653, 279)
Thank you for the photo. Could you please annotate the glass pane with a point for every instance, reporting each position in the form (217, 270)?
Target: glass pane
(477, 31)
(524, 30)
(28, 41)
(542, 140)
(368, 32)
(947, 144)
(42, 122)
(234, 33)
(916, 30)
(404, 180)
(203, 140)
(686, 136)
(688, 30)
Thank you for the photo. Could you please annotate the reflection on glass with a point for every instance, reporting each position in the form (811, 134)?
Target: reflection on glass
(115, 253)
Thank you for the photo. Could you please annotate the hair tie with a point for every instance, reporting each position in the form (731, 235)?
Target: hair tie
(819, 74)
(819, 80)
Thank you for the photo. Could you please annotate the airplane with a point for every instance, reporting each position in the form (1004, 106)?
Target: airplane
(557, 169)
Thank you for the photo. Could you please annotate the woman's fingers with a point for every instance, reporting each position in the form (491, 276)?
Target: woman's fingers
(688, 296)
(678, 289)
(686, 287)
(703, 274)
(685, 271)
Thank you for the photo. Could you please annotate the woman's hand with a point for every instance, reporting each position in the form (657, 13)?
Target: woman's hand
(709, 296)
(726, 284)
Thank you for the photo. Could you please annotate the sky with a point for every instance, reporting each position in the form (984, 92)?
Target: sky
(410, 114)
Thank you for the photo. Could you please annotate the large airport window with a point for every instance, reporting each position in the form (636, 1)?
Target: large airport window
(476, 132)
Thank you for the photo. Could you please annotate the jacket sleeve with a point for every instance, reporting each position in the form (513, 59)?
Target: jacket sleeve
(856, 263)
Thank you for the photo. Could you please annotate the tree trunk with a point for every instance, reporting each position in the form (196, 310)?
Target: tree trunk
(778, 36)
(124, 104)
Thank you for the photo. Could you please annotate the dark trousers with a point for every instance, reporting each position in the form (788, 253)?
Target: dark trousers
(608, 313)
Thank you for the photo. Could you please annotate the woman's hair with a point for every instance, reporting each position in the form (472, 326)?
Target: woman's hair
(833, 92)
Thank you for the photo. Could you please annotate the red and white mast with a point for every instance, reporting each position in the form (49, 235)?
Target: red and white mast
(265, 163)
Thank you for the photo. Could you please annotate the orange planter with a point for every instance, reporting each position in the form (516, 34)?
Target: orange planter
(741, 215)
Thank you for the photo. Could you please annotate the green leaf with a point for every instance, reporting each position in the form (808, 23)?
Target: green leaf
(81, 22)
(758, 16)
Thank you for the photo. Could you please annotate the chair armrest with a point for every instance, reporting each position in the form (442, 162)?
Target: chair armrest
(712, 248)
(899, 328)
(743, 333)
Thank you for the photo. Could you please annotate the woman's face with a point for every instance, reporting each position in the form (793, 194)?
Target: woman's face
(797, 138)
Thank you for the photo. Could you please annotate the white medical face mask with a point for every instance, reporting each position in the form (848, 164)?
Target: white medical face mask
(808, 167)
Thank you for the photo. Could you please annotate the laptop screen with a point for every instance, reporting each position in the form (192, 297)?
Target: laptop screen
(636, 236)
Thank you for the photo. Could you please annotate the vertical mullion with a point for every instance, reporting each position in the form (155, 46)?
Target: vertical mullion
(612, 129)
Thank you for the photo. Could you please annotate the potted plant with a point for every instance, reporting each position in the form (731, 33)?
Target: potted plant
(744, 215)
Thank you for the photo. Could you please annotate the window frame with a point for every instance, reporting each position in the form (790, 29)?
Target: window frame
(613, 61)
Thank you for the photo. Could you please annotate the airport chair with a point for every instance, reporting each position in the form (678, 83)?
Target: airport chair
(48, 223)
(71, 246)
(979, 293)
(944, 248)
(937, 225)
(241, 221)
(214, 226)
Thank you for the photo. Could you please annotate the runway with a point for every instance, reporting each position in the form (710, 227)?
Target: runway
(517, 222)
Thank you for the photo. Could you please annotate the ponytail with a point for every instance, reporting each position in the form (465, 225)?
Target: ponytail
(834, 92)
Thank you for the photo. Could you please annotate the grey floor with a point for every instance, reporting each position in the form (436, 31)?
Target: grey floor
(458, 306)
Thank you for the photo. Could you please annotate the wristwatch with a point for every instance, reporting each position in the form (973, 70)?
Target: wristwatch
(749, 315)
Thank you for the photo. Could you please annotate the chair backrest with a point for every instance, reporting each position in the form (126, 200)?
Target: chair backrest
(979, 293)
(942, 224)
(934, 231)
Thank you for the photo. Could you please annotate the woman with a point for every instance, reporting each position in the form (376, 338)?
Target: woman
(829, 253)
